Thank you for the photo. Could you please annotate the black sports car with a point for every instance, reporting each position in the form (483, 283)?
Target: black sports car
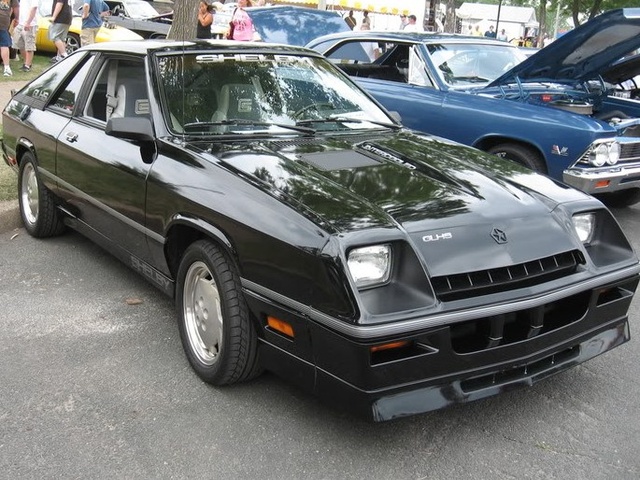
(302, 230)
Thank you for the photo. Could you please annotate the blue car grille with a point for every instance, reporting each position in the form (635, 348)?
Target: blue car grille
(483, 282)
(630, 152)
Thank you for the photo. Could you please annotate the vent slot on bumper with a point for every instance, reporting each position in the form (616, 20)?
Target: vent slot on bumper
(497, 330)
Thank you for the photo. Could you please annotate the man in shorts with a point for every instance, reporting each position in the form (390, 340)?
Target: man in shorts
(24, 35)
(61, 17)
(6, 8)
(92, 13)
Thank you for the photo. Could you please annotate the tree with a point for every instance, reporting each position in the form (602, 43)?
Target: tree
(185, 18)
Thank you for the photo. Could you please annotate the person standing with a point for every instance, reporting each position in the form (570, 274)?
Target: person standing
(24, 34)
(205, 19)
(403, 21)
(351, 20)
(92, 13)
(366, 21)
(241, 26)
(6, 8)
(412, 26)
(502, 36)
(491, 33)
(61, 17)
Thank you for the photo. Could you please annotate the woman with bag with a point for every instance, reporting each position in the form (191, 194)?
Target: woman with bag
(241, 26)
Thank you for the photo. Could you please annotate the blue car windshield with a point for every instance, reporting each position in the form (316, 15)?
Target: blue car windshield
(464, 64)
(230, 93)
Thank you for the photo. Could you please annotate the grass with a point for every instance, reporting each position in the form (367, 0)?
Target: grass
(8, 183)
(8, 179)
(40, 63)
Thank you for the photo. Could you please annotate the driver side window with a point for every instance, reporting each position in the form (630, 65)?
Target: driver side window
(387, 61)
(119, 91)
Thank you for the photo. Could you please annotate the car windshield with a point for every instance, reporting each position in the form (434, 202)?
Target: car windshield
(139, 9)
(212, 94)
(464, 64)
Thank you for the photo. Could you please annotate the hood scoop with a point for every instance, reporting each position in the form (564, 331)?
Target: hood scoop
(340, 160)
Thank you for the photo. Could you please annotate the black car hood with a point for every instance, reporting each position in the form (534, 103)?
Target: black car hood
(449, 199)
(584, 52)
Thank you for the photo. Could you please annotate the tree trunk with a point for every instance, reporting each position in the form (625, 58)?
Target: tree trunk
(542, 20)
(185, 19)
(450, 22)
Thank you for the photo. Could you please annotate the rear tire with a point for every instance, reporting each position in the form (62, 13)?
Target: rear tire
(525, 156)
(620, 199)
(217, 334)
(37, 208)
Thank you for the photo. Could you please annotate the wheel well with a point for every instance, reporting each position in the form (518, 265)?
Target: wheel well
(21, 149)
(486, 143)
(179, 238)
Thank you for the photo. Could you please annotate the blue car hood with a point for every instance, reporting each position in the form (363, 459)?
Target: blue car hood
(295, 25)
(583, 53)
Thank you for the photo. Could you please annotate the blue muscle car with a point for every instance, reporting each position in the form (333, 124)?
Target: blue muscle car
(554, 112)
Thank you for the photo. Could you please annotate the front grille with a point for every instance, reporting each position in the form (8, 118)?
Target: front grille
(483, 282)
(629, 152)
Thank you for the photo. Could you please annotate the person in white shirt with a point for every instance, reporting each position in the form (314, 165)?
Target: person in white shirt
(411, 25)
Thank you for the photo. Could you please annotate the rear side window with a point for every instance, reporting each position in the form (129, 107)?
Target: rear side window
(43, 88)
(68, 96)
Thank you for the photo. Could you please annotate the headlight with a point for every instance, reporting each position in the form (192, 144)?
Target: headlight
(604, 153)
(584, 224)
(600, 155)
(370, 265)
(614, 153)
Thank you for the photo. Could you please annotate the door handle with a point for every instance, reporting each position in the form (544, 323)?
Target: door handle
(71, 137)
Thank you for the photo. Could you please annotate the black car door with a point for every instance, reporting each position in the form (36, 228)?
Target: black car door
(103, 178)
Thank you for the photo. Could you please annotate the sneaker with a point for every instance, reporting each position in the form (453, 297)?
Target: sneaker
(55, 59)
(25, 68)
(7, 72)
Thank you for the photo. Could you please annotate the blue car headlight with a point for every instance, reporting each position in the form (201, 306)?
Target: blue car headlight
(370, 266)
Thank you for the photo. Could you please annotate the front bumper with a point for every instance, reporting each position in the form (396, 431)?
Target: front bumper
(447, 364)
(603, 180)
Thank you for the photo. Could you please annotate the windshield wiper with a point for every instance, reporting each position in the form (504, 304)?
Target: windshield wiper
(338, 119)
(473, 79)
(241, 121)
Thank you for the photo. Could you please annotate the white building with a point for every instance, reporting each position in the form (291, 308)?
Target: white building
(516, 21)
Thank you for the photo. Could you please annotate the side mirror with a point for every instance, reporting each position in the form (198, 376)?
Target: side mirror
(131, 128)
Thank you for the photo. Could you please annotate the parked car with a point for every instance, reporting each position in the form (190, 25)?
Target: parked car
(551, 112)
(107, 33)
(302, 230)
(140, 17)
(282, 23)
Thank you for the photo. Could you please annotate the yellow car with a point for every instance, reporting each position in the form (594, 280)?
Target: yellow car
(107, 33)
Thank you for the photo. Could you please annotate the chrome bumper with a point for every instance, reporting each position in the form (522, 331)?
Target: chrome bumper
(603, 180)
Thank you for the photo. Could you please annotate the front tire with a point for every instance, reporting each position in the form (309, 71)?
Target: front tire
(37, 208)
(215, 327)
(521, 154)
